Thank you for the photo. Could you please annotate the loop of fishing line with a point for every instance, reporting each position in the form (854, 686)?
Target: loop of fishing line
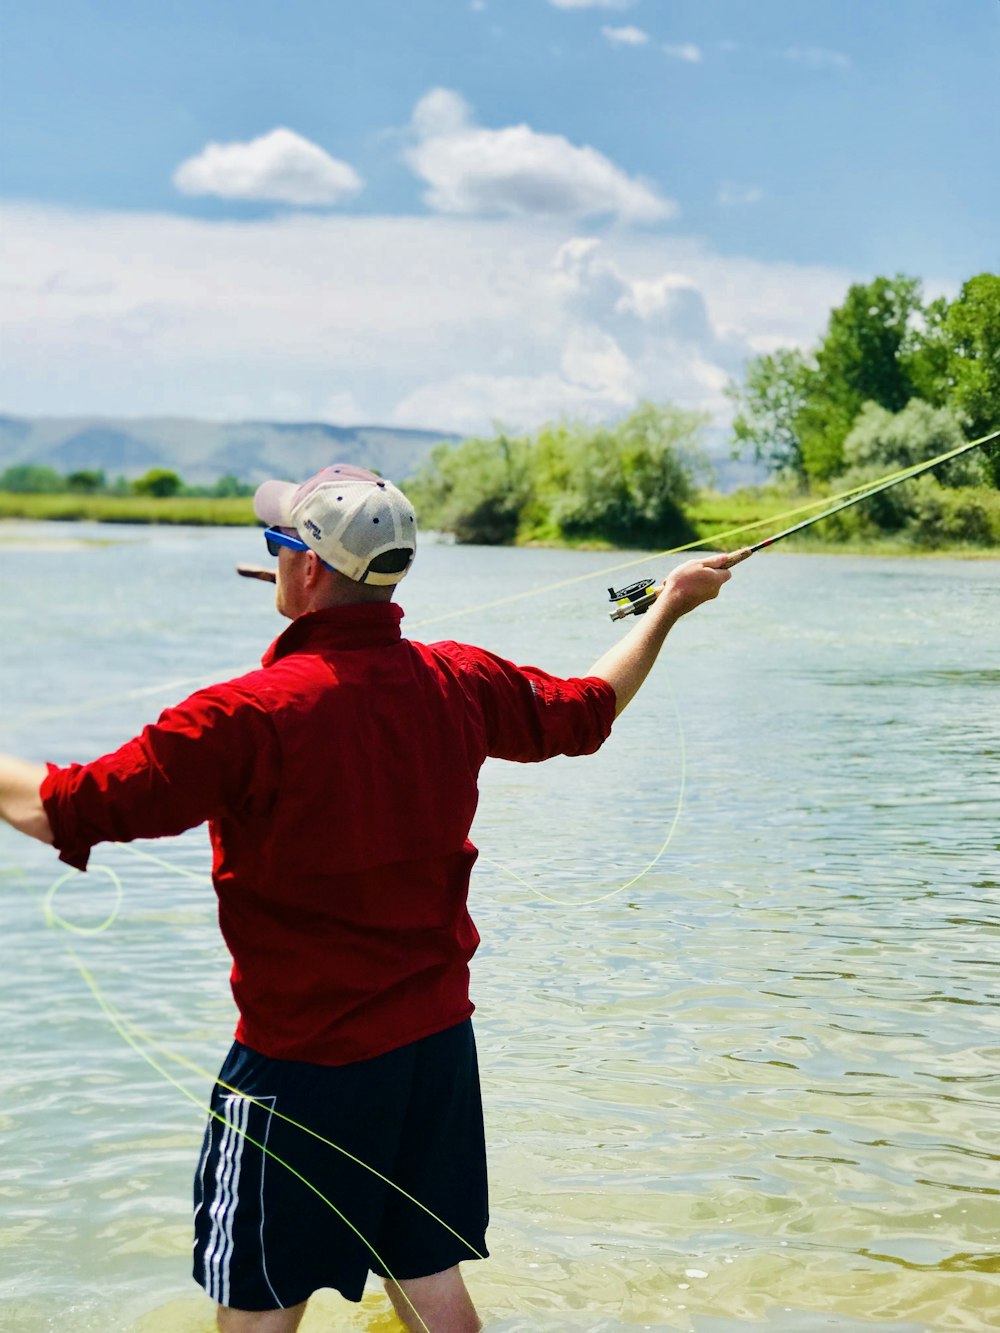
(55, 918)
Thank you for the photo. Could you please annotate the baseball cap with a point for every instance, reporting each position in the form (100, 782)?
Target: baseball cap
(360, 524)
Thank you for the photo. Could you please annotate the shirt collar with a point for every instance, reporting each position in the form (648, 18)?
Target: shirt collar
(363, 625)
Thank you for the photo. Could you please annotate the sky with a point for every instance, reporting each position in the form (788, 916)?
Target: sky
(464, 214)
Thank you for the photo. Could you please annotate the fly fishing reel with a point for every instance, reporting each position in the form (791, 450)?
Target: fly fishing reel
(634, 600)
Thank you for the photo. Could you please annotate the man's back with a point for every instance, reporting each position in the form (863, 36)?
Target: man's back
(340, 780)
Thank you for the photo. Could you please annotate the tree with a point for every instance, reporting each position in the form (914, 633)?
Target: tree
(881, 345)
(625, 483)
(31, 479)
(475, 490)
(229, 486)
(628, 483)
(158, 482)
(864, 357)
(972, 326)
(86, 481)
(928, 354)
(774, 392)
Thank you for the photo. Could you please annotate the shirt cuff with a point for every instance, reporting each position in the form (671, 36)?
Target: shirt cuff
(71, 849)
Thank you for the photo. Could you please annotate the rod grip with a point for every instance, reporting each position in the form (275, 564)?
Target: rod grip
(737, 557)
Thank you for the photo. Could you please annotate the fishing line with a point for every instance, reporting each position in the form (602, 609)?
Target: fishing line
(859, 493)
(200, 876)
(54, 918)
(121, 1021)
(590, 902)
(124, 1024)
(131, 1034)
(852, 495)
(121, 1025)
(122, 1029)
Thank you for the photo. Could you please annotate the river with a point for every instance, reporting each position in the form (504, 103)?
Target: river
(738, 991)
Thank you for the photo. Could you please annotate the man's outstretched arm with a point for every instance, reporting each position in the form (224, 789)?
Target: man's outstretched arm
(20, 802)
(628, 663)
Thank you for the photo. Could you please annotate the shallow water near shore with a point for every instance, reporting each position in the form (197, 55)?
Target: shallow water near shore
(759, 1088)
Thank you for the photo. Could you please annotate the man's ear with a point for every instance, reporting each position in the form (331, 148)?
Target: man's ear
(314, 569)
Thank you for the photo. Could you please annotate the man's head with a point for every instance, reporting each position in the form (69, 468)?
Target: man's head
(360, 532)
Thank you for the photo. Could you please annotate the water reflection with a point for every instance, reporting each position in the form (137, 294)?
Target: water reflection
(759, 1089)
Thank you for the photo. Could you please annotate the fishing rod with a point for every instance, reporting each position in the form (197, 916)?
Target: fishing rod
(638, 597)
(906, 475)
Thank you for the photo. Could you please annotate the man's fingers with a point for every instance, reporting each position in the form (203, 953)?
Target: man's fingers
(734, 557)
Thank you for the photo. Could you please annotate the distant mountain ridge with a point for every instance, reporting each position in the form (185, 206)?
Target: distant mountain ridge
(252, 451)
(203, 451)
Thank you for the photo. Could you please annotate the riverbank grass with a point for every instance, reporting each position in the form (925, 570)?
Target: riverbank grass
(195, 510)
(756, 512)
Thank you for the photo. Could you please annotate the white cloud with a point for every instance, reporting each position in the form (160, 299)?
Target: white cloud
(593, 360)
(281, 166)
(736, 196)
(342, 407)
(476, 402)
(817, 57)
(686, 51)
(627, 36)
(518, 171)
(442, 322)
(441, 112)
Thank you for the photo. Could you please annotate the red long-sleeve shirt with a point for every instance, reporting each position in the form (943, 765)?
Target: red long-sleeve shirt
(340, 782)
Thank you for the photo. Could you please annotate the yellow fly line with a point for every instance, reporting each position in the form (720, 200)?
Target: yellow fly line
(141, 1041)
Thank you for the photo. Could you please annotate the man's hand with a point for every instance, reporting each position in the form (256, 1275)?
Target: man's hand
(628, 663)
(694, 582)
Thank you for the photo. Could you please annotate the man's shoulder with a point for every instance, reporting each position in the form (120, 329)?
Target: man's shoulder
(464, 658)
(454, 650)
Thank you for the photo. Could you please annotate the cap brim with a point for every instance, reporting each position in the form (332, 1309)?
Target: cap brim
(272, 503)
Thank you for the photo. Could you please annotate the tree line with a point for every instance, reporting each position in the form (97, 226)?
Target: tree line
(893, 381)
(884, 345)
(159, 483)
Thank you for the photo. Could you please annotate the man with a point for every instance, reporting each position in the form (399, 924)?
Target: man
(340, 784)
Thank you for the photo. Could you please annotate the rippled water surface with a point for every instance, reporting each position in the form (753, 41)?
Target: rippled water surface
(754, 1087)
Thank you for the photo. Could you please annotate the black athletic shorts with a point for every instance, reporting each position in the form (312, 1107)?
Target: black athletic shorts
(281, 1212)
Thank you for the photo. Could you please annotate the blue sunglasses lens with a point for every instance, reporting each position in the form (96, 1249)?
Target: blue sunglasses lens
(276, 539)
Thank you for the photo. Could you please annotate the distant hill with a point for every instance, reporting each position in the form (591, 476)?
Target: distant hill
(203, 451)
(252, 451)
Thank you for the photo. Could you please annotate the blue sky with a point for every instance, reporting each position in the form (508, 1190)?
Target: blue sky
(448, 213)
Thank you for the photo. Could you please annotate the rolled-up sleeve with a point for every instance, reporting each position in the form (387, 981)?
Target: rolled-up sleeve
(531, 715)
(206, 758)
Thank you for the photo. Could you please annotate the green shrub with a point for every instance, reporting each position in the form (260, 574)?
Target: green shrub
(30, 479)
(158, 482)
(943, 517)
(625, 484)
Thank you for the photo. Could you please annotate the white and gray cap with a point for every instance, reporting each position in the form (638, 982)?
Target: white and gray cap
(360, 524)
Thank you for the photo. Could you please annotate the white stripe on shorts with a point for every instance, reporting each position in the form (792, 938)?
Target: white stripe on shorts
(226, 1197)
